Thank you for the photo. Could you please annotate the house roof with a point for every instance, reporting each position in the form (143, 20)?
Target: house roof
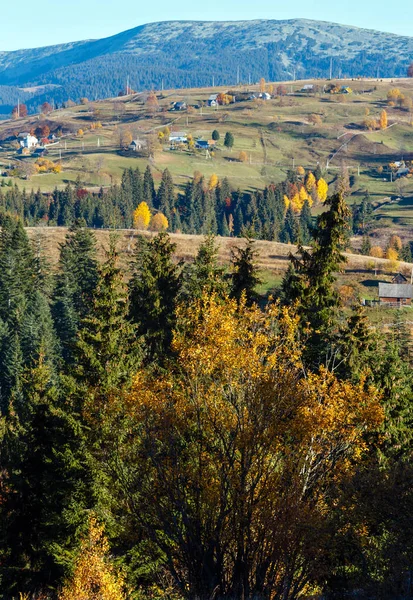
(213, 97)
(395, 290)
(399, 278)
(177, 134)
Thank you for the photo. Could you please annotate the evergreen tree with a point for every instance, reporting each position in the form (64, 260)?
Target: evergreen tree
(153, 290)
(245, 273)
(204, 274)
(45, 492)
(165, 199)
(313, 283)
(306, 223)
(148, 192)
(75, 285)
(107, 350)
(229, 140)
(366, 245)
(290, 231)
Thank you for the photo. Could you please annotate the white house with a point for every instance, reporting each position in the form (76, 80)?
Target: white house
(213, 100)
(178, 137)
(29, 142)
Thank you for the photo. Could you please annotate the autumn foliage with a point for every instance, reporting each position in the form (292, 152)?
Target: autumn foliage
(94, 577)
(247, 418)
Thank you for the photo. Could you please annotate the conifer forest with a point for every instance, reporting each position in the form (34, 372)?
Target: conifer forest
(168, 433)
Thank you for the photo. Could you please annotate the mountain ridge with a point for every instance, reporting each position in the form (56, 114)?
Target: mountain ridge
(190, 53)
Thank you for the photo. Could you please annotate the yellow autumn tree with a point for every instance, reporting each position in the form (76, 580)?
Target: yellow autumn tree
(262, 85)
(300, 171)
(322, 189)
(159, 222)
(286, 201)
(383, 119)
(297, 203)
(250, 418)
(303, 194)
(376, 252)
(243, 156)
(310, 182)
(213, 181)
(392, 254)
(142, 216)
(94, 577)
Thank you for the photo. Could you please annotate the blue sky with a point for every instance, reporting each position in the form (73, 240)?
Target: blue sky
(54, 21)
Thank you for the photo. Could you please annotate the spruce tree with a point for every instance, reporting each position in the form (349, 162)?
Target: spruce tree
(107, 351)
(313, 283)
(46, 489)
(148, 191)
(204, 275)
(165, 199)
(305, 224)
(75, 285)
(245, 273)
(153, 291)
(290, 231)
(366, 245)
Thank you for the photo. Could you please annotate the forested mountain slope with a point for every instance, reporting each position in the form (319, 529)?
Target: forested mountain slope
(189, 54)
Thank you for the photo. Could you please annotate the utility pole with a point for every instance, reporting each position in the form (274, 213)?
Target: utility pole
(249, 79)
(162, 84)
(213, 81)
(331, 67)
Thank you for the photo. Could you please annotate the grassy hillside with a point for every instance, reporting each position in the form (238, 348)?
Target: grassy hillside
(274, 135)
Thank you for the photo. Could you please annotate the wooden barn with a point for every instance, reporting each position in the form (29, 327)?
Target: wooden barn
(397, 294)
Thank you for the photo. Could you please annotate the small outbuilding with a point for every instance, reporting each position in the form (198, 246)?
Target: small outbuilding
(136, 145)
(399, 278)
(180, 106)
(396, 294)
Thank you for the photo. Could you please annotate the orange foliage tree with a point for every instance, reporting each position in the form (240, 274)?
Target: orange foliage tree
(159, 222)
(383, 119)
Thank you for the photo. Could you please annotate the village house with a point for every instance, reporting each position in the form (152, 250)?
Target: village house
(213, 100)
(396, 294)
(180, 106)
(178, 137)
(136, 145)
(308, 87)
(399, 278)
(30, 141)
(204, 144)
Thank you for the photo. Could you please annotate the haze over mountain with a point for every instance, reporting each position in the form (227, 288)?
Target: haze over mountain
(189, 54)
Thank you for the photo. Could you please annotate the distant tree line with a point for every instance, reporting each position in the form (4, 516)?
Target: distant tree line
(280, 212)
